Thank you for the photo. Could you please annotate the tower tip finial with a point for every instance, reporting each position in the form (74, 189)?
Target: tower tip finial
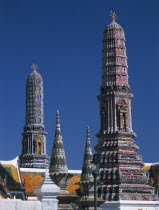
(88, 133)
(34, 66)
(57, 119)
(113, 15)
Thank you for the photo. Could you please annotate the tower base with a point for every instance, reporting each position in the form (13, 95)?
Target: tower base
(130, 205)
(33, 161)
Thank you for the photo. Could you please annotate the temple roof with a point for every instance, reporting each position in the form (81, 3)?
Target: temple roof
(33, 177)
(147, 166)
(72, 185)
(31, 180)
(10, 171)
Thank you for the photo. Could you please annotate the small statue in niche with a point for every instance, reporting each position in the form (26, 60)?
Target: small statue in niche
(122, 110)
(123, 121)
(38, 148)
(38, 143)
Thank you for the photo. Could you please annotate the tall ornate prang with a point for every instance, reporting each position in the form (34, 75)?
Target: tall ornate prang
(34, 135)
(121, 176)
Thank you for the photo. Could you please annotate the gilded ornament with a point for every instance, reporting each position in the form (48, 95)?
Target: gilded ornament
(113, 16)
(38, 144)
(34, 67)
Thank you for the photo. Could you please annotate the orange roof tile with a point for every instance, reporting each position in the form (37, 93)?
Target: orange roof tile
(31, 181)
(72, 186)
(146, 167)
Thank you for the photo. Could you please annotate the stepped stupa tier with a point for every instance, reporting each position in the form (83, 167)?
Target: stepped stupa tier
(121, 176)
(34, 135)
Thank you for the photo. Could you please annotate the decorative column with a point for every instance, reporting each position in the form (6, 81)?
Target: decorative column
(121, 176)
(34, 135)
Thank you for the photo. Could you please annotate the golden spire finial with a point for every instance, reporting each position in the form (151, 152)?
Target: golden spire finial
(113, 15)
(34, 67)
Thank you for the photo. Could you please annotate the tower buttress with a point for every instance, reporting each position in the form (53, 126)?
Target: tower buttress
(34, 135)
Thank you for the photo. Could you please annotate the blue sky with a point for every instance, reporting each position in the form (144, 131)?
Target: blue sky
(65, 38)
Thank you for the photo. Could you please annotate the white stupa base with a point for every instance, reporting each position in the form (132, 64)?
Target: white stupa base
(130, 205)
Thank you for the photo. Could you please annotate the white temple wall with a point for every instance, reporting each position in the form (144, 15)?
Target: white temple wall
(130, 205)
(15, 204)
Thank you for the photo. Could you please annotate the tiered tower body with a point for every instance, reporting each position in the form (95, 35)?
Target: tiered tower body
(121, 176)
(34, 135)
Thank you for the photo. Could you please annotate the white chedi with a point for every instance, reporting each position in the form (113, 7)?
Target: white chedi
(47, 193)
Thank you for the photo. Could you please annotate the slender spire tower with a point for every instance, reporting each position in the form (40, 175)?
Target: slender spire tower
(88, 167)
(85, 192)
(59, 170)
(34, 136)
(121, 176)
(58, 159)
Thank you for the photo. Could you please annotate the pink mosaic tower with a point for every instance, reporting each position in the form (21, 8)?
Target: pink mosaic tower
(121, 176)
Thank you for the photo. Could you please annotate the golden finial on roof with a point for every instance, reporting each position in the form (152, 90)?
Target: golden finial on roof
(34, 67)
(113, 15)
